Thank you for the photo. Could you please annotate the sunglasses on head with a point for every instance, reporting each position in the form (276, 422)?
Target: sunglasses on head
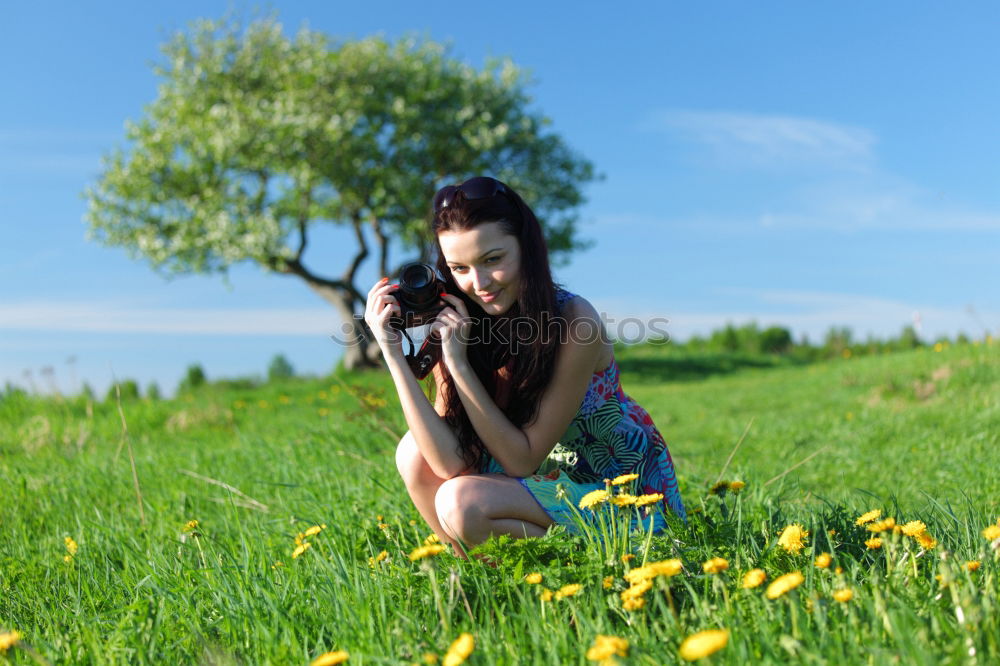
(480, 187)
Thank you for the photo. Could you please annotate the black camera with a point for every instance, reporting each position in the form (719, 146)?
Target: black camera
(419, 297)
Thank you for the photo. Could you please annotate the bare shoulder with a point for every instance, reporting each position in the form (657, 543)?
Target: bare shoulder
(585, 326)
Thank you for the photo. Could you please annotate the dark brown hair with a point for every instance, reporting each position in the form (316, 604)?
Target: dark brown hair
(528, 363)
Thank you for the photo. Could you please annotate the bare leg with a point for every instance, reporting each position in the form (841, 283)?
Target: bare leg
(471, 508)
(422, 484)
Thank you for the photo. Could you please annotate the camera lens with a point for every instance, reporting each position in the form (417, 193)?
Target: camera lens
(418, 286)
(416, 276)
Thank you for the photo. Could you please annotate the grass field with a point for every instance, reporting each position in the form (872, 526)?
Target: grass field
(90, 575)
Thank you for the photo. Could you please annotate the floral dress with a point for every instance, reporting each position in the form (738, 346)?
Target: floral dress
(610, 435)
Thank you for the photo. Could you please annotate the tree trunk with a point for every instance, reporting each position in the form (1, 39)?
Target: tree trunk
(360, 351)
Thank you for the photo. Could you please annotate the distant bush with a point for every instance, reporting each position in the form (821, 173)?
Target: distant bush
(280, 368)
(129, 391)
(775, 340)
(193, 378)
(153, 391)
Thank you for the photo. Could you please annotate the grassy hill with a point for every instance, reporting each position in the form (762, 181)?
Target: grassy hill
(913, 434)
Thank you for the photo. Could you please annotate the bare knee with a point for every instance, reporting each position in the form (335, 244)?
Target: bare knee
(410, 462)
(458, 514)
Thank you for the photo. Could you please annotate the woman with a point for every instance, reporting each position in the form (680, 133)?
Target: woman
(513, 381)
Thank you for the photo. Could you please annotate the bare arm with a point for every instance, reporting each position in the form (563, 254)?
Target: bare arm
(521, 450)
(434, 437)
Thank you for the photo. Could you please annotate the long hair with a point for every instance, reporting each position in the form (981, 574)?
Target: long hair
(496, 343)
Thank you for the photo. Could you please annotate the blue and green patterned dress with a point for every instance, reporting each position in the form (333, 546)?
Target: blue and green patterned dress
(610, 435)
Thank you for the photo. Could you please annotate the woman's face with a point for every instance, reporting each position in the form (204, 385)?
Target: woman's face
(485, 263)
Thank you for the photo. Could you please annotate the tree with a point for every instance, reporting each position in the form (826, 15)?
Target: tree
(194, 377)
(280, 368)
(255, 139)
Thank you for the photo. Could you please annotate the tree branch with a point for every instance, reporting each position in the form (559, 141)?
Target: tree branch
(383, 244)
(303, 219)
(362, 253)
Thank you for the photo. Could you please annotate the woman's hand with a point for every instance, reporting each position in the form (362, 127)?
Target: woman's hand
(381, 306)
(453, 325)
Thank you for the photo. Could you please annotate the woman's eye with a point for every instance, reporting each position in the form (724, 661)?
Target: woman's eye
(492, 259)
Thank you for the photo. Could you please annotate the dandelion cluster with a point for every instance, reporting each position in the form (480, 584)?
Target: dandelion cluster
(8, 639)
(71, 548)
(301, 545)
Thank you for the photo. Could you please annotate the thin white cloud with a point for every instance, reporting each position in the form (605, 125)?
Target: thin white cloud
(763, 139)
(101, 317)
(808, 313)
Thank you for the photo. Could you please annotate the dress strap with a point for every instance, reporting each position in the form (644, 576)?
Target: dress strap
(563, 297)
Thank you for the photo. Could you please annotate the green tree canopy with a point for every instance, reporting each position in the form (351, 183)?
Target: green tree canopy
(255, 138)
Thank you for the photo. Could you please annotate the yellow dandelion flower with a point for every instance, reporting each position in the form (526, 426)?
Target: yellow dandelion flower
(608, 581)
(430, 658)
(8, 639)
(624, 499)
(628, 557)
(643, 500)
(784, 584)
(71, 546)
(593, 498)
(637, 590)
(568, 590)
(736, 486)
(533, 578)
(913, 528)
(753, 578)
(623, 479)
(793, 538)
(703, 643)
(605, 647)
(190, 526)
(823, 560)
(301, 548)
(546, 594)
(433, 538)
(67, 558)
(844, 595)
(330, 658)
(300, 538)
(972, 565)
(715, 565)
(381, 556)
(413, 523)
(832, 532)
(992, 532)
(634, 604)
(277, 563)
(460, 650)
(666, 568)
(425, 551)
(882, 525)
(315, 529)
(926, 541)
(874, 543)
(866, 518)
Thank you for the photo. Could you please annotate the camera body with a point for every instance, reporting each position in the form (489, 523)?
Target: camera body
(419, 298)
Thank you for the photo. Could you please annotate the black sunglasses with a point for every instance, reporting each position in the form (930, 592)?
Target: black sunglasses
(480, 187)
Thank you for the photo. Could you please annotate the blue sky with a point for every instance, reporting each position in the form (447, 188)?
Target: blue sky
(784, 162)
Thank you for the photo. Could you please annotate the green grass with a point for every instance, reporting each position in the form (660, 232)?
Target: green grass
(916, 434)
